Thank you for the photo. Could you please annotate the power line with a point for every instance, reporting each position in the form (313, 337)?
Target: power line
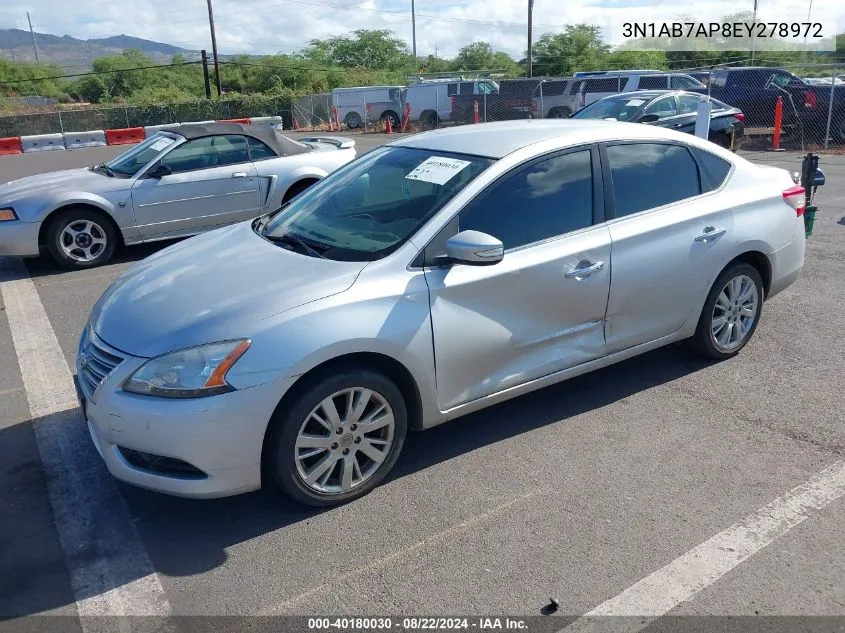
(98, 72)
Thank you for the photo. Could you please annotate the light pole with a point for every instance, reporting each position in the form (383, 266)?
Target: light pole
(530, 69)
(414, 31)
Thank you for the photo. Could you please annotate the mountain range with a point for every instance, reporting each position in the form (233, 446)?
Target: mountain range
(78, 55)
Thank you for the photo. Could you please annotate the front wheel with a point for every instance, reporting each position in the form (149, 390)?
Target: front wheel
(81, 238)
(731, 312)
(339, 439)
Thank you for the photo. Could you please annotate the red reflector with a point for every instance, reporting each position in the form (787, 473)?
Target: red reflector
(810, 100)
(794, 197)
(739, 116)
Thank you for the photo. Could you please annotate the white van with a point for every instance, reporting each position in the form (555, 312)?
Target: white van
(432, 100)
(368, 103)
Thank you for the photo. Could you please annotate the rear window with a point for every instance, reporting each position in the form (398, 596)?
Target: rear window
(713, 169)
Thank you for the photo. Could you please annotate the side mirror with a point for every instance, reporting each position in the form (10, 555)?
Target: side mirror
(474, 248)
(158, 171)
(648, 118)
(818, 178)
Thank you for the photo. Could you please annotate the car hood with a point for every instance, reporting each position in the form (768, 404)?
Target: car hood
(83, 179)
(210, 288)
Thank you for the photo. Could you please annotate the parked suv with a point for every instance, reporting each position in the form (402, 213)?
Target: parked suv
(585, 91)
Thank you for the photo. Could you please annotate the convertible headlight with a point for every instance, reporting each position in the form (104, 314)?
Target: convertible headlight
(7, 215)
(194, 372)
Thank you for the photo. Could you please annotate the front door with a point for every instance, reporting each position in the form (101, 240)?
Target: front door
(212, 183)
(541, 309)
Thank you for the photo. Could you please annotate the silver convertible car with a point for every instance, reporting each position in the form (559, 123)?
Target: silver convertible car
(434, 276)
(180, 181)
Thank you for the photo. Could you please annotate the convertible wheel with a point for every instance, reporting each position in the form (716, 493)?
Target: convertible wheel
(340, 439)
(81, 238)
(731, 312)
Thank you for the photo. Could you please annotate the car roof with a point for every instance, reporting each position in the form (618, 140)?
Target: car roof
(281, 145)
(495, 140)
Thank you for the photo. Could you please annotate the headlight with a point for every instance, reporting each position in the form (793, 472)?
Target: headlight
(7, 215)
(189, 373)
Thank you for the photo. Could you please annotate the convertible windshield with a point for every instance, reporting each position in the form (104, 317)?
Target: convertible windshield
(130, 161)
(621, 109)
(370, 207)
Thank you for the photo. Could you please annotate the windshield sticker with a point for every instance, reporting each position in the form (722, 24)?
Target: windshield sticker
(438, 169)
(635, 102)
(161, 143)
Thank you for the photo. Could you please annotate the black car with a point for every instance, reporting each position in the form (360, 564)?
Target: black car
(674, 109)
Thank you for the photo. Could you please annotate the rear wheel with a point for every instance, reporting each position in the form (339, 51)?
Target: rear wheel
(339, 438)
(731, 312)
(353, 120)
(392, 116)
(429, 120)
(81, 238)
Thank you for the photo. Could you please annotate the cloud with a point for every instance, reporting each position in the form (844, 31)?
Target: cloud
(269, 26)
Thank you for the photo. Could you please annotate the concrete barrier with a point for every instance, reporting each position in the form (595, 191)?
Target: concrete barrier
(42, 142)
(91, 138)
(10, 145)
(273, 121)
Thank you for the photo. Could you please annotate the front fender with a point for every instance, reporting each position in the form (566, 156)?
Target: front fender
(72, 198)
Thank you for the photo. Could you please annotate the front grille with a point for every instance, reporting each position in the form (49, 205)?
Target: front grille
(96, 361)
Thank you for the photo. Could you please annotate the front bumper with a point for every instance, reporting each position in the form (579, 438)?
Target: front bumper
(19, 239)
(221, 436)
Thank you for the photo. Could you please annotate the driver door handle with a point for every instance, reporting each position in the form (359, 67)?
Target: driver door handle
(239, 174)
(582, 273)
(710, 234)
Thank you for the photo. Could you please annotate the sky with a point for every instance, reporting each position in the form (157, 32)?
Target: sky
(442, 26)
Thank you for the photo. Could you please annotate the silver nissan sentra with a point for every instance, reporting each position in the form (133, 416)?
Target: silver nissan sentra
(432, 277)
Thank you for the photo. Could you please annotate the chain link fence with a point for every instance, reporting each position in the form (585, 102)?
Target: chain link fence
(84, 119)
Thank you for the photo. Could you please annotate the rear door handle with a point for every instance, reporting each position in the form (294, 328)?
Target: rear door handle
(710, 234)
(584, 272)
(239, 174)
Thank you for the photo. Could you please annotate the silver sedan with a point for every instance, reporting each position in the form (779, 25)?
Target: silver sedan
(178, 182)
(430, 278)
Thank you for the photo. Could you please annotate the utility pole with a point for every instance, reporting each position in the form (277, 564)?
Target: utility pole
(205, 74)
(32, 33)
(214, 50)
(12, 51)
(530, 69)
(414, 31)
(754, 31)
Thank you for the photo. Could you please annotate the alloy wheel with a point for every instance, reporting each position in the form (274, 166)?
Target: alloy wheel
(734, 313)
(83, 240)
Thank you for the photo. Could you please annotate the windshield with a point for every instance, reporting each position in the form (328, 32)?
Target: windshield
(620, 109)
(370, 207)
(129, 162)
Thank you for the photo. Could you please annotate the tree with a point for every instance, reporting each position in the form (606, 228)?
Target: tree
(373, 49)
(579, 47)
(475, 56)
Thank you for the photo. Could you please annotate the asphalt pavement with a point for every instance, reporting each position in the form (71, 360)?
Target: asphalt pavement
(587, 491)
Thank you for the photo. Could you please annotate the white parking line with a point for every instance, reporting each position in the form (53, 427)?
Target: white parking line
(110, 571)
(700, 567)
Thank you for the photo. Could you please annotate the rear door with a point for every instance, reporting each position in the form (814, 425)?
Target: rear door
(541, 309)
(212, 183)
(671, 236)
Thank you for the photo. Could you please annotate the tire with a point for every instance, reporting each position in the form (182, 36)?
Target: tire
(394, 118)
(714, 345)
(560, 113)
(297, 188)
(81, 238)
(353, 120)
(324, 459)
(430, 120)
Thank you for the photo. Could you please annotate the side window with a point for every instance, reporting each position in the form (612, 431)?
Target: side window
(720, 78)
(451, 90)
(258, 150)
(602, 85)
(466, 87)
(649, 175)
(713, 169)
(663, 108)
(679, 82)
(576, 87)
(195, 154)
(394, 94)
(652, 82)
(545, 199)
(230, 150)
(689, 104)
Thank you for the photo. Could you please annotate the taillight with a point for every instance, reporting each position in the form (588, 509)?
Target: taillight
(794, 197)
(739, 116)
(454, 101)
(810, 99)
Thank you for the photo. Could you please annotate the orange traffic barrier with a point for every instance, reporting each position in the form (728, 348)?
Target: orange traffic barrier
(10, 145)
(295, 124)
(124, 136)
(778, 122)
(388, 125)
(245, 121)
(475, 111)
(407, 118)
